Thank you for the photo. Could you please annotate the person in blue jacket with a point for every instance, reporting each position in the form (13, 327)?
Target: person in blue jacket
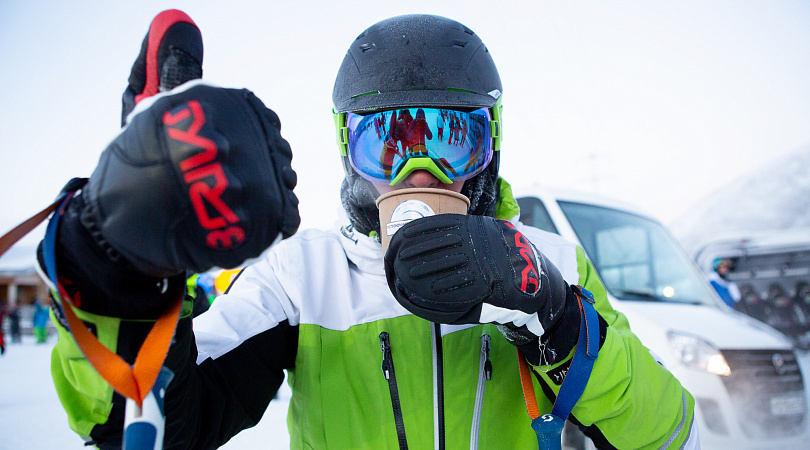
(40, 322)
(726, 289)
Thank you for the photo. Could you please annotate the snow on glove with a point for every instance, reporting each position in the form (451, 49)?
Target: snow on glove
(171, 54)
(457, 269)
(199, 179)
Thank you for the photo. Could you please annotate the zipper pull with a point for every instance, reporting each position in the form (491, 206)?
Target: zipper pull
(385, 346)
(485, 348)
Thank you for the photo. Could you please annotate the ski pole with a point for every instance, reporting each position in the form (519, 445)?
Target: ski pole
(144, 425)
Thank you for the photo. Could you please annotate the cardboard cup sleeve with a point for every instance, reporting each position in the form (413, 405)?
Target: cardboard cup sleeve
(402, 206)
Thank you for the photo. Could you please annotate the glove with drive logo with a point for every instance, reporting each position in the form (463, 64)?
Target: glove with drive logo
(199, 179)
(457, 269)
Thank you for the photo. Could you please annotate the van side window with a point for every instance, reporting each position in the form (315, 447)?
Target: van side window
(636, 257)
(534, 213)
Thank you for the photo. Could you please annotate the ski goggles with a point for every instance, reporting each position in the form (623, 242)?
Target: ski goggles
(385, 147)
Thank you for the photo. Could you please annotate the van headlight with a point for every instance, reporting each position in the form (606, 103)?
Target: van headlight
(697, 353)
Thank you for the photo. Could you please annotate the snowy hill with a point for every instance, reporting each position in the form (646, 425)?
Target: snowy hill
(773, 198)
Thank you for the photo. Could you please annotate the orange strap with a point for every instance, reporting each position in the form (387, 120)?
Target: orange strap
(132, 382)
(24, 228)
(528, 388)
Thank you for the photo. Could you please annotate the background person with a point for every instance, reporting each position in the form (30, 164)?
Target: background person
(726, 289)
(14, 324)
(40, 321)
(2, 319)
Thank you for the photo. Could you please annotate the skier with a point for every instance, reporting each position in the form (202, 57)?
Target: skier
(322, 305)
(2, 318)
(40, 321)
(440, 125)
(728, 290)
(418, 132)
(14, 324)
(198, 289)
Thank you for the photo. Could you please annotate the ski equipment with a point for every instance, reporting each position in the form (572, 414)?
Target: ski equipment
(409, 142)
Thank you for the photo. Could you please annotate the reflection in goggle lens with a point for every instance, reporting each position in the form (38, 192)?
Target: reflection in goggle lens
(387, 145)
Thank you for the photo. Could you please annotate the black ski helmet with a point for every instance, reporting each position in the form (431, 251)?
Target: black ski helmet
(409, 61)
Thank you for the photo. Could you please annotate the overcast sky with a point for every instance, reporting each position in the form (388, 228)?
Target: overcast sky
(654, 103)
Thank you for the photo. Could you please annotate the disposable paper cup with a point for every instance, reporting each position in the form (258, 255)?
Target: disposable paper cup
(402, 206)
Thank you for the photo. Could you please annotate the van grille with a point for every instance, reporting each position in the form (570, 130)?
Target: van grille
(767, 390)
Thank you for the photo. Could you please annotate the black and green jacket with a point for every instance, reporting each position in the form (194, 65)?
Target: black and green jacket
(363, 371)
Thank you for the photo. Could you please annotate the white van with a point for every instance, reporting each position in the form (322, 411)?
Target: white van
(743, 374)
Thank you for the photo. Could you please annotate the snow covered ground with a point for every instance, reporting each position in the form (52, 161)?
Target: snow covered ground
(31, 416)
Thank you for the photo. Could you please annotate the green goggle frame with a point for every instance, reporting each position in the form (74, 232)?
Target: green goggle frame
(421, 163)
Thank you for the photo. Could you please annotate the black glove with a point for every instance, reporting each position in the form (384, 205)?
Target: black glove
(202, 178)
(171, 54)
(457, 269)
(101, 285)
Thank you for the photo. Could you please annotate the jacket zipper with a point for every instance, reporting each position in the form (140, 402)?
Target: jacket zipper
(390, 375)
(484, 374)
(438, 387)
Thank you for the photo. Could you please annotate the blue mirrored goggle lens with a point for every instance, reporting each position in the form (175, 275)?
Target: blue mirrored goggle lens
(381, 143)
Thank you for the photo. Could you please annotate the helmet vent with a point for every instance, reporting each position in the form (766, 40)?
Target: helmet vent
(459, 43)
(468, 31)
(366, 47)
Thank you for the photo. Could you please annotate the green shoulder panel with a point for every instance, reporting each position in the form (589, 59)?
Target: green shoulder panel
(507, 207)
(84, 395)
(633, 388)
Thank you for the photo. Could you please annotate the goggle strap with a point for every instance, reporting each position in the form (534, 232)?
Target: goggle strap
(495, 124)
(342, 132)
(495, 133)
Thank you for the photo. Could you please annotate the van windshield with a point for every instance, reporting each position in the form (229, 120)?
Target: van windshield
(636, 258)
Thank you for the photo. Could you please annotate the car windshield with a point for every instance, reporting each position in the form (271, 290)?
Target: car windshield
(637, 258)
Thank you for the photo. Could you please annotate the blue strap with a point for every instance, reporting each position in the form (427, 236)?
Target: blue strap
(584, 358)
(49, 241)
(548, 427)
